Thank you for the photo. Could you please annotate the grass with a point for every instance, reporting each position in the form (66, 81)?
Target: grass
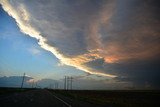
(114, 98)
(8, 90)
(117, 98)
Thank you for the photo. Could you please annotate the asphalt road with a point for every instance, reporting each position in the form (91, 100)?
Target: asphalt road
(40, 98)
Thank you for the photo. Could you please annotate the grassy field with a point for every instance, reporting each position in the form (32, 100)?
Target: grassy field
(7, 91)
(116, 98)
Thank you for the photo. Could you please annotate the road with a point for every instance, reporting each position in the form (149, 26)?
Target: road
(40, 98)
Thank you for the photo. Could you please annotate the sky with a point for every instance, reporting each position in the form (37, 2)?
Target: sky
(103, 44)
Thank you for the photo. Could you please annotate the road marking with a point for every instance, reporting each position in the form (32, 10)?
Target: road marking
(60, 99)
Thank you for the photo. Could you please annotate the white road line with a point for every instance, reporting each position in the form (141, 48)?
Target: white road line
(60, 99)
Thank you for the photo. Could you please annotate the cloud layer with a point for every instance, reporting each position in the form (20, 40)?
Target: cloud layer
(63, 39)
(104, 37)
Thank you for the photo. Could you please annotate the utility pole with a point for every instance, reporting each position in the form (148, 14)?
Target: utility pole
(68, 80)
(65, 83)
(49, 86)
(71, 82)
(68, 83)
(32, 83)
(36, 85)
(56, 85)
(23, 80)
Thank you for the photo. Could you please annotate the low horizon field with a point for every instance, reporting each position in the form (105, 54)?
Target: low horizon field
(100, 98)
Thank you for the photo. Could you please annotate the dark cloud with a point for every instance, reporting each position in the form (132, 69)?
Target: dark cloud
(132, 42)
(139, 72)
(97, 64)
(133, 31)
(66, 22)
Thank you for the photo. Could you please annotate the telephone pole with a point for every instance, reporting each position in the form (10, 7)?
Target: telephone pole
(68, 83)
(71, 82)
(65, 83)
(50, 86)
(32, 83)
(56, 85)
(23, 80)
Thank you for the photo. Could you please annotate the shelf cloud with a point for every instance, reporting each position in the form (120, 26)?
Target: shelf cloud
(102, 37)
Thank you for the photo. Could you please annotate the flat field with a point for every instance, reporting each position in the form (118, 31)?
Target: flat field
(28, 97)
(116, 98)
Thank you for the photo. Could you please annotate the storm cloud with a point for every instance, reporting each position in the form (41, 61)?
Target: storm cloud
(111, 38)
